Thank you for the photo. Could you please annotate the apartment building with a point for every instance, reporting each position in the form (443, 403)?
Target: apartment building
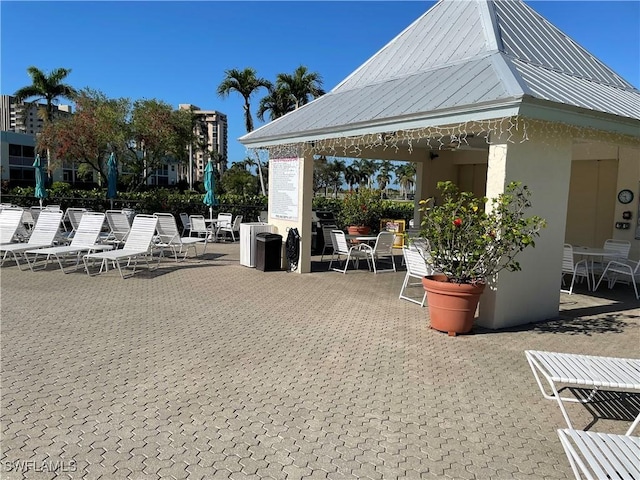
(211, 132)
(24, 118)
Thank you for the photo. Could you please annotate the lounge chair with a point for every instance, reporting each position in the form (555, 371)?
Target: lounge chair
(586, 371)
(84, 241)
(601, 455)
(138, 244)
(43, 235)
(119, 226)
(10, 221)
(169, 237)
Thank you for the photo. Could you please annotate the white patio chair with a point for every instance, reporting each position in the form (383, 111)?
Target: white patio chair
(328, 239)
(10, 221)
(416, 268)
(119, 226)
(84, 241)
(169, 237)
(341, 247)
(35, 211)
(186, 225)
(231, 228)
(223, 220)
(621, 249)
(586, 371)
(573, 268)
(601, 455)
(138, 244)
(73, 216)
(198, 226)
(383, 248)
(621, 270)
(43, 235)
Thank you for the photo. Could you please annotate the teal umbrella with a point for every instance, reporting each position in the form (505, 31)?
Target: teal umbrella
(112, 178)
(210, 186)
(41, 191)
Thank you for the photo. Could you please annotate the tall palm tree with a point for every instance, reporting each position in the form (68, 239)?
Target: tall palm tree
(47, 87)
(384, 177)
(246, 83)
(302, 85)
(336, 169)
(277, 103)
(405, 174)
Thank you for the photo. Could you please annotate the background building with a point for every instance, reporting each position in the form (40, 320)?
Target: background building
(211, 133)
(24, 118)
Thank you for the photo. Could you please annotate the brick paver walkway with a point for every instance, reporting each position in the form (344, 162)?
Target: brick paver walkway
(208, 369)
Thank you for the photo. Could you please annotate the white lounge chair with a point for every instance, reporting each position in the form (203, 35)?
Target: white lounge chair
(382, 248)
(417, 268)
(10, 221)
(601, 455)
(119, 226)
(585, 371)
(341, 247)
(84, 241)
(169, 237)
(186, 225)
(73, 216)
(43, 235)
(138, 244)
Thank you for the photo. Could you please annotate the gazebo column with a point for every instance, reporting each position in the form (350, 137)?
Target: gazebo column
(303, 211)
(532, 294)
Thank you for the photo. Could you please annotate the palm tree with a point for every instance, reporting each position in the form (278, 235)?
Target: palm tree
(277, 103)
(368, 169)
(246, 83)
(336, 169)
(406, 177)
(384, 178)
(302, 86)
(48, 88)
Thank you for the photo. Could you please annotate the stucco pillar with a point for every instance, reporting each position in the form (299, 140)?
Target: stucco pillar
(532, 294)
(303, 222)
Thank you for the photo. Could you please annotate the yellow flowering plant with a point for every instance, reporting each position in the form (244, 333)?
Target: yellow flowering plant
(469, 243)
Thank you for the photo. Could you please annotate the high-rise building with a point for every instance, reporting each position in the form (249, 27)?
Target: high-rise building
(22, 117)
(211, 136)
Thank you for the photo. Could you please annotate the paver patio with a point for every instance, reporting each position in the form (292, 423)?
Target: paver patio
(207, 369)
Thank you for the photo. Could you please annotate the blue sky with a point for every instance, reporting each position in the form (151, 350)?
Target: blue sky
(178, 51)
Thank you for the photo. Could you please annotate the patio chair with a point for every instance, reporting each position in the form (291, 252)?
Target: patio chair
(621, 269)
(186, 225)
(138, 244)
(341, 247)
(601, 455)
(198, 226)
(43, 235)
(224, 220)
(231, 228)
(383, 248)
(73, 216)
(573, 268)
(328, 240)
(84, 241)
(119, 226)
(416, 268)
(169, 237)
(585, 371)
(10, 221)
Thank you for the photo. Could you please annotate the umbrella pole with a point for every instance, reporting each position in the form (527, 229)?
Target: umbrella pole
(40, 204)
(211, 218)
(111, 200)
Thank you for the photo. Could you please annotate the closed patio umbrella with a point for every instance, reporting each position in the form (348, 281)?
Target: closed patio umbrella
(41, 191)
(210, 186)
(112, 178)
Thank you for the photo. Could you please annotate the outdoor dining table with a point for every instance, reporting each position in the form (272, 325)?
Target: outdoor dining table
(368, 239)
(593, 253)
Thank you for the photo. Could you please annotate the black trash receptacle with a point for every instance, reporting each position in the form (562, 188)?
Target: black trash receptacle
(268, 252)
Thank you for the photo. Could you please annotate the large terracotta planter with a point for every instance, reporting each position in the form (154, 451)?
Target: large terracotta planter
(452, 306)
(361, 230)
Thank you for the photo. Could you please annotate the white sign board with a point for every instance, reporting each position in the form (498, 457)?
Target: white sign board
(285, 175)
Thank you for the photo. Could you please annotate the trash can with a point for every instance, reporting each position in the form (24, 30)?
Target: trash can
(268, 252)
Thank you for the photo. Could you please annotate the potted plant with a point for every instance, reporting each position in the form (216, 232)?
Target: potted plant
(468, 245)
(361, 211)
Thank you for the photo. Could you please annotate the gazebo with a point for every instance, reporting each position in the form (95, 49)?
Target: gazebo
(481, 92)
